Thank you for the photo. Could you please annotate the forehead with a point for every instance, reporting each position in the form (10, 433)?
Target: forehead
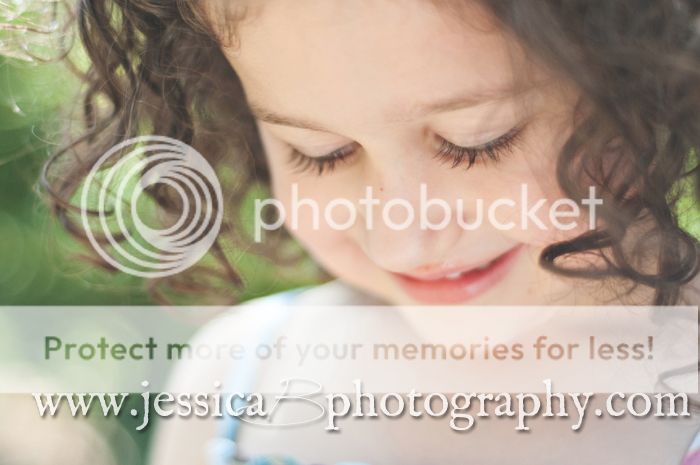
(366, 61)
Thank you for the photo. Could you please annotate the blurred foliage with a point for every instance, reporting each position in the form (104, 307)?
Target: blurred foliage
(688, 208)
(38, 262)
(34, 269)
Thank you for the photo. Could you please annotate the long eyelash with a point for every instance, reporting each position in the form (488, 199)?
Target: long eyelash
(320, 165)
(448, 152)
(457, 155)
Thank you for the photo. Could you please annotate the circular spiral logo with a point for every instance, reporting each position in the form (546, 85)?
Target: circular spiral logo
(113, 203)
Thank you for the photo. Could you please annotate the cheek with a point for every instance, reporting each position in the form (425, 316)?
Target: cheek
(306, 213)
(535, 214)
(537, 205)
(304, 199)
(338, 252)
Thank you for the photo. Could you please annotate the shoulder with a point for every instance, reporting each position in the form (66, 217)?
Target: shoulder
(253, 317)
(331, 293)
(250, 321)
(179, 441)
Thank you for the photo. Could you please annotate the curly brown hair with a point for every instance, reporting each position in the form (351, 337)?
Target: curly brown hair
(160, 68)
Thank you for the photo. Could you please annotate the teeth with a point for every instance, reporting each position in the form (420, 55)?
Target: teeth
(459, 274)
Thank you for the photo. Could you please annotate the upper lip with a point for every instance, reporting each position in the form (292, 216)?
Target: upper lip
(436, 272)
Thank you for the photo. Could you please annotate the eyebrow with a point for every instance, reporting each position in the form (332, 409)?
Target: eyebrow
(459, 102)
(272, 117)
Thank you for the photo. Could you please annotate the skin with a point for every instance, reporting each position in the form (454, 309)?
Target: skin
(361, 73)
(371, 77)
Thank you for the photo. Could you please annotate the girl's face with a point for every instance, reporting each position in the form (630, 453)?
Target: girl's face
(382, 95)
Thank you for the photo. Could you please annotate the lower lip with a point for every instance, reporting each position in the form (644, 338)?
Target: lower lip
(461, 290)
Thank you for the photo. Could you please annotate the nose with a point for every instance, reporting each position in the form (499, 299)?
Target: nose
(403, 226)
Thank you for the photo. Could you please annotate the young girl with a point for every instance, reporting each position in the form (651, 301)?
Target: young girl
(465, 99)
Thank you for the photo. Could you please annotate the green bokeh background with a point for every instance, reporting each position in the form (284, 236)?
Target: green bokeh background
(38, 260)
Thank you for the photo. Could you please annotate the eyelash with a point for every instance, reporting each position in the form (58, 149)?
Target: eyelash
(447, 152)
(467, 156)
(326, 163)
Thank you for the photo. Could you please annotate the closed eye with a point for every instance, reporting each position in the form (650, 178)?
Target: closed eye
(325, 163)
(447, 152)
(456, 155)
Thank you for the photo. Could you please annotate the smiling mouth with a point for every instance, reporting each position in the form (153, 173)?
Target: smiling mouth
(454, 286)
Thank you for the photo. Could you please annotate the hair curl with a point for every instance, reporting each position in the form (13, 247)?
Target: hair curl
(159, 66)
